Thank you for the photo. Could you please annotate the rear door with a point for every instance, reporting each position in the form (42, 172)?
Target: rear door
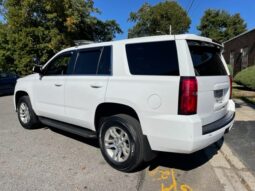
(86, 87)
(213, 80)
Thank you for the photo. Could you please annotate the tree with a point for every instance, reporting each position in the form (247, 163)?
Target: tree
(153, 20)
(5, 52)
(41, 28)
(220, 25)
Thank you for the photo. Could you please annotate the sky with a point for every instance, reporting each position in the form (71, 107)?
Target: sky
(119, 10)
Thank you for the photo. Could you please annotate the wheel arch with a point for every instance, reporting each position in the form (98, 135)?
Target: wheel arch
(18, 95)
(111, 108)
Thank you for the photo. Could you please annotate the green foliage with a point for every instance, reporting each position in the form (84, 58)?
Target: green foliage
(6, 57)
(220, 25)
(153, 20)
(246, 77)
(230, 68)
(41, 28)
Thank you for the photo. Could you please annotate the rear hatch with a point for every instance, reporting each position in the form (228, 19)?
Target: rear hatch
(212, 79)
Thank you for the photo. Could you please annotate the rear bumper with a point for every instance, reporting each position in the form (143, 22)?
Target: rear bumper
(185, 134)
(221, 123)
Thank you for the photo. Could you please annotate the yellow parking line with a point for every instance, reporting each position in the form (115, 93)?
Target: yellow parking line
(161, 175)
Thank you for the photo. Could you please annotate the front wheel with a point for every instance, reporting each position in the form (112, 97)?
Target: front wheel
(26, 115)
(121, 142)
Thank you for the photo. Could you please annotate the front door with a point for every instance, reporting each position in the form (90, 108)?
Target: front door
(49, 87)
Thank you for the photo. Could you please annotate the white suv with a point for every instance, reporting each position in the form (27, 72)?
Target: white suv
(167, 93)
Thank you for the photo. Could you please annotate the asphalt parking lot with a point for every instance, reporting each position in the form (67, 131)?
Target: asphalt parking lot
(48, 159)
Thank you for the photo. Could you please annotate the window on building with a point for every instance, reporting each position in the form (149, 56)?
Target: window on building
(232, 59)
(245, 57)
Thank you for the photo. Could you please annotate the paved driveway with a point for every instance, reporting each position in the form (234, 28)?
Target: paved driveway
(48, 159)
(242, 137)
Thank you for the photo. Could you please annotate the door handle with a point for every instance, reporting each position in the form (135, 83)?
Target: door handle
(96, 86)
(58, 85)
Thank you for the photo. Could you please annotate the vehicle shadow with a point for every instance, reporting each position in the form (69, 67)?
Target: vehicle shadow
(185, 162)
(6, 94)
(92, 142)
(241, 87)
(239, 104)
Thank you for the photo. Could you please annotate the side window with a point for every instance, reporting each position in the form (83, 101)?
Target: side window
(59, 65)
(104, 67)
(245, 54)
(232, 58)
(87, 62)
(153, 58)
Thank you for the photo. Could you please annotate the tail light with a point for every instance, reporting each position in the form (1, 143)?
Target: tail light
(188, 96)
(230, 87)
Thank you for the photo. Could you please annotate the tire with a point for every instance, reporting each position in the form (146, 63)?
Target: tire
(128, 145)
(26, 115)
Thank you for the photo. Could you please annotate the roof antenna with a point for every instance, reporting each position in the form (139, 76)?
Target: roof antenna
(82, 42)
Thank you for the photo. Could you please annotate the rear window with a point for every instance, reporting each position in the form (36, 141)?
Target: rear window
(104, 67)
(87, 62)
(206, 59)
(154, 58)
(94, 61)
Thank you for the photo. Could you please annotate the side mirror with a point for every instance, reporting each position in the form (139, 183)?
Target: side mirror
(36, 60)
(37, 69)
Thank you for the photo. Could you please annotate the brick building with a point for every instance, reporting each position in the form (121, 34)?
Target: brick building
(239, 51)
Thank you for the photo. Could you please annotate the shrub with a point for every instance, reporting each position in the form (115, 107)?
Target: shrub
(246, 77)
(230, 68)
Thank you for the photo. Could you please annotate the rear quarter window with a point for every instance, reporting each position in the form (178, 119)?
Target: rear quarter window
(153, 58)
(206, 58)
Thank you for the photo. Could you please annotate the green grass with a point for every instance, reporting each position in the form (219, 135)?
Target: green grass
(246, 77)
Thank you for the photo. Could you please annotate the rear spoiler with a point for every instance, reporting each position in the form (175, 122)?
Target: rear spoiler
(217, 42)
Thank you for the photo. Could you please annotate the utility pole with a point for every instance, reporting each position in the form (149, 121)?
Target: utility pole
(170, 29)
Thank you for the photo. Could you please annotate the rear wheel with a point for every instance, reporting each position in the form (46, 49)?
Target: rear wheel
(121, 142)
(26, 115)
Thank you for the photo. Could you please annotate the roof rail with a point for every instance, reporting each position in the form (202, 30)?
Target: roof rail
(83, 42)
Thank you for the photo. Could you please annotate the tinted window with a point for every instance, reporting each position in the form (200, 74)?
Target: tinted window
(104, 67)
(87, 62)
(155, 58)
(59, 65)
(206, 59)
